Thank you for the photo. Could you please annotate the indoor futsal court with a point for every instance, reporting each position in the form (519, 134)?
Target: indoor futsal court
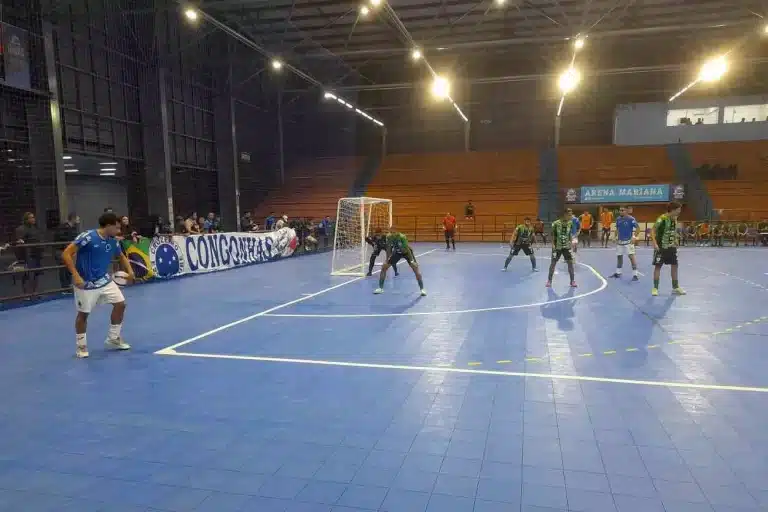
(280, 388)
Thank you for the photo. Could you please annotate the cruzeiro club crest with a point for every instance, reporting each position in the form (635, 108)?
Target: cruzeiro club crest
(165, 257)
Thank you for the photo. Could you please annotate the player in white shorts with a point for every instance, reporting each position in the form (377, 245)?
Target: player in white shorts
(89, 259)
(626, 237)
(575, 230)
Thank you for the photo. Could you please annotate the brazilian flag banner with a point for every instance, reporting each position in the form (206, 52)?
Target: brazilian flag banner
(138, 255)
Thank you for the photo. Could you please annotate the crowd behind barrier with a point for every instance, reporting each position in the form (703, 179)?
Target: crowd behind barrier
(155, 258)
(174, 255)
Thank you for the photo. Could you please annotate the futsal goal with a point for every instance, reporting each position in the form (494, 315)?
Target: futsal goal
(357, 218)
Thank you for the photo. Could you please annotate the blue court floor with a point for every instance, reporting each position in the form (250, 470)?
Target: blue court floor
(280, 388)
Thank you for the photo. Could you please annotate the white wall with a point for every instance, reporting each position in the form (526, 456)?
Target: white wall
(89, 195)
(641, 124)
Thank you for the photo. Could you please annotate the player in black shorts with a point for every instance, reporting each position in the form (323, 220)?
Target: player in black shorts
(562, 231)
(397, 249)
(521, 240)
(379, 243)
(664, 237)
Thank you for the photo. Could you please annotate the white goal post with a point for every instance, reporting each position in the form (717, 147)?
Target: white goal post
(357, 218)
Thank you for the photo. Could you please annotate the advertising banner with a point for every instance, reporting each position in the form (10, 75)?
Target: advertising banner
(15, 50)
(625, 194)
(171, 256)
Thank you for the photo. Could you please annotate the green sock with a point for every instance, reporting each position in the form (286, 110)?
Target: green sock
(675, 285)
(381, 281)
(421, 283)
(656, 283)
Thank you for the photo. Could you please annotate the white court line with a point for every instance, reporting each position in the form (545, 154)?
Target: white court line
(549, 376)
(747, 281)
(603, 285)
(171, 349)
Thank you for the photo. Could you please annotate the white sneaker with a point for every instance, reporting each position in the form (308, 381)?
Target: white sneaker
(81, 352)
(117, 344)
(378, 291)
(423, 292)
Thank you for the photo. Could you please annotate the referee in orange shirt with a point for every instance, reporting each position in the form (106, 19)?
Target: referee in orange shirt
(449, 228)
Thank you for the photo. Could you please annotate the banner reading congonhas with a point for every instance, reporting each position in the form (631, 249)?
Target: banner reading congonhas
(170, 256)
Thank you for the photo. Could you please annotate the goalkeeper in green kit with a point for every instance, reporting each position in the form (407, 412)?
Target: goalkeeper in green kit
(521, 240)
(397, 249)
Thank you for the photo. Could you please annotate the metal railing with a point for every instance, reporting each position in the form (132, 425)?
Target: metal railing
(34, 271)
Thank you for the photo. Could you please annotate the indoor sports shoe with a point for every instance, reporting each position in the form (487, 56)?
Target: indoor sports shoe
(549, 284)
(655, 292)
(378, 291)
(616, 275)
(81, 352)
(423, 292)
(635, 278)
(573, 284)
(504, 269)
(117, 344)
(678, 291)
(534, 270)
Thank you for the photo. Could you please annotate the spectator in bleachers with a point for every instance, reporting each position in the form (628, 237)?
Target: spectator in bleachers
(127, 231)
(246, 222)
(469, 211)
(281, 222)
(64, 234)
(324, 230)
(717, 234)
(762, 232)
(180, 226)
(211, 224)
(269, 222)
(30, 258)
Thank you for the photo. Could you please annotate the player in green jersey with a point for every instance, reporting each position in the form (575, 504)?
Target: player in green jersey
(562, 234)
(664, 237)
(397, 249)
(521, 240)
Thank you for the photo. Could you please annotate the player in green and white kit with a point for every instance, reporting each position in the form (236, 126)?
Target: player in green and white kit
(562, 234)
(664, 237)
(521, 240)
(397, 249)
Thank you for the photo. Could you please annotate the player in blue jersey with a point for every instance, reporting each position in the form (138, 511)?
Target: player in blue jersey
(89, 259)
(575, 230)
(626, 238)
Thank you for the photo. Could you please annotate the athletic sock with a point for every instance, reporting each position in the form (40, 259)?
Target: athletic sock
(506, 262)
(114, 332)
(81, 340)
(675, 285)
(533, 261)
(421, 283)
(656, 283)
(381, 280)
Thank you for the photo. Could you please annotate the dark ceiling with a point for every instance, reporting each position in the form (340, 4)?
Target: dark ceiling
(487, 39)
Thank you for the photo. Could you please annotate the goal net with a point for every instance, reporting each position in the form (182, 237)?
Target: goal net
(357, 218)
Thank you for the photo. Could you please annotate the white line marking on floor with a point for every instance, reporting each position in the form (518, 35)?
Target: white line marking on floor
(603, 285)
(171, 348)
(652, 383)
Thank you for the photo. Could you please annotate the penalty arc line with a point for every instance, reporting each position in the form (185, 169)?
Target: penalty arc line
(603, 286)
(171, 349)
(501, 373)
